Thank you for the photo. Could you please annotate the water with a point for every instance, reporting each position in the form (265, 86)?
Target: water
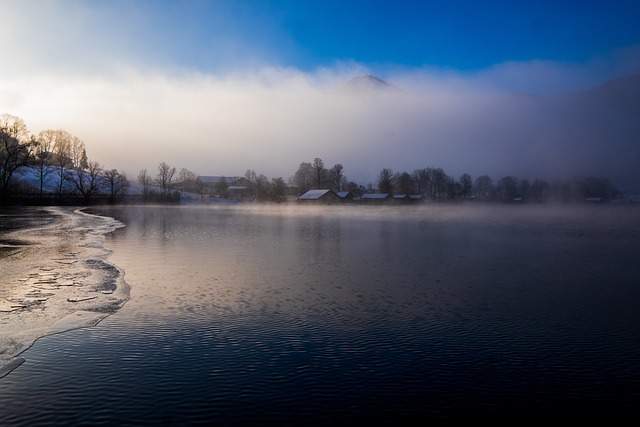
(287, 316)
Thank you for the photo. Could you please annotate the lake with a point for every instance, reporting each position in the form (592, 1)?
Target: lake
(296, 315)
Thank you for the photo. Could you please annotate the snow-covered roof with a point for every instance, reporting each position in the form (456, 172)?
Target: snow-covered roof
(400, 196)
(343, 194)
(236, 187)
(375, 196)
(313, 194)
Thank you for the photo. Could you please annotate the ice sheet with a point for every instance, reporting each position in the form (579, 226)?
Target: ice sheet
(56, 278)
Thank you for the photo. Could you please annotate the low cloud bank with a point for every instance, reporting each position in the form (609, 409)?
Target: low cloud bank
(270, 120)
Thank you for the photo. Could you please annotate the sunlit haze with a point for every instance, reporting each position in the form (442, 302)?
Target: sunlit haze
(222, 87)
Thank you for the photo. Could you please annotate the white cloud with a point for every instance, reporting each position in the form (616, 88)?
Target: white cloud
(272, 120)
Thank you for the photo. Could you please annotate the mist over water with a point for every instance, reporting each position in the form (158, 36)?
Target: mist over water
(246, 315)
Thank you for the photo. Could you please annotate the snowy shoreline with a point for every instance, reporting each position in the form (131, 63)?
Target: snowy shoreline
(56, 277)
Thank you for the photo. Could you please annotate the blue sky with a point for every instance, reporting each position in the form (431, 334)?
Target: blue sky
(452, 34)
(254, 84)
(463, 35)
(218, 36)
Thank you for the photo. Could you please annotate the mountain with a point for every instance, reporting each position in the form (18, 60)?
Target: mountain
(368, 83)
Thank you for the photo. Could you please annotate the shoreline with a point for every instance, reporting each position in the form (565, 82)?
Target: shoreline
(57, 277)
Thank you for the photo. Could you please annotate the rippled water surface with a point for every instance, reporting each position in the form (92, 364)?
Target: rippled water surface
(242, 315)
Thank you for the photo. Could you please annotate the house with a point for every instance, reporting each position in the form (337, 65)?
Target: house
(375, 198)
(239, 192)
(416, 197)
(188, 185)
(319, 197)
(212, 181)
(244, 181)
(401, 198)
(227, 186)
(345, 196)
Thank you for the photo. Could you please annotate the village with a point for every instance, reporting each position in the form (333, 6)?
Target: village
(240, 189)
(53, 168)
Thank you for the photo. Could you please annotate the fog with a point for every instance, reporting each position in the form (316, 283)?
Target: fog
(274, 119)
(531, 119)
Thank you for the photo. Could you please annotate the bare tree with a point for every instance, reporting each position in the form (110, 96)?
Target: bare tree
(524, 188)
(78, 153)
(250, 174)
(187, 180)
(262, 184)
(385, 181)
(62, 157)
(87, 182)
(453, 187)
(356, 189)
(278, 190)
(186, 175)
(15, 149)
(201, 188)
(303, 178)
(439, 183)
(539, 190)
(422, 180)
(431, 182)
(597, 187)
(403, 183)
(465, 185)
(165, 178)
(56, 151)
(483, 186)
(145, 181)
(43, 155)
(337, 177)
(507, 188)
(116, 182)
(319, 173)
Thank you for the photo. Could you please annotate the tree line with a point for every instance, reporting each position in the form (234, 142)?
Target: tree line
(56, 154)
(52, 154)
(168, 180)
(436, 184)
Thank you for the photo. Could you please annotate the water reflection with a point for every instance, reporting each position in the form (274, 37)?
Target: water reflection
(289, 315)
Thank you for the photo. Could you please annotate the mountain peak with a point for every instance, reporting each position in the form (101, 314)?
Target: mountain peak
(368, 82)
(368, 79)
